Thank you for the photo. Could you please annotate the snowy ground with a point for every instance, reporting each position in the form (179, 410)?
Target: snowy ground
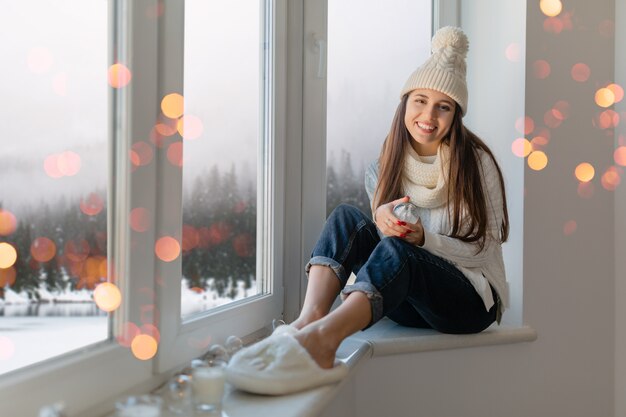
(31, 333)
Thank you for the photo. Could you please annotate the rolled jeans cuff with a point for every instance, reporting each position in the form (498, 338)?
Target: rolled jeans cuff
(376, 299)
(332, 264)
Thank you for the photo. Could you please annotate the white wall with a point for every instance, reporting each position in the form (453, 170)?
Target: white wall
(568, 281)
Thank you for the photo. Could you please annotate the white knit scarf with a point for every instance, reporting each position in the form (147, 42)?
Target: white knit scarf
(426, 183)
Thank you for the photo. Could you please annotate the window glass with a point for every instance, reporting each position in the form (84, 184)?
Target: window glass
(53, 165)
(221, 131)
(369, 59)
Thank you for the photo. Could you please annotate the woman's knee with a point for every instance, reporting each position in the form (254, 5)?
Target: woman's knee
(346, 212)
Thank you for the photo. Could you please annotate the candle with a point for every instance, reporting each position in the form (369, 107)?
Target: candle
(207, 386)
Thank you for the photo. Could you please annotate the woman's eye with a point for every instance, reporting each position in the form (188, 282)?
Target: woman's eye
(445, 108)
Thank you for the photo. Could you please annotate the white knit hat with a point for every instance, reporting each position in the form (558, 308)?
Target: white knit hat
(445, 69)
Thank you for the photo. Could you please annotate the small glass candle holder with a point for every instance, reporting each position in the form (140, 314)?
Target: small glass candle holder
(177, 394)
(139, 406)
(207, 386)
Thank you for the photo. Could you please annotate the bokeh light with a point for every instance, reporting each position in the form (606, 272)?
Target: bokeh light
(7, 277)
(191, 238)
(8, 222)
(611, 179)
(141, 153)
(92, 205)
(127, 334)
(190, 127)
(541, 69)
(51, 166)
(569, 228)
(561, 109)
(553, 118)
(39, 60)
(175, 154)
(619, 155)
(144, 347)
(551, 8)
(617, 90)
(539, 142)
(512, 52)
(584, 172)
(59, 84)
(43, 249)
(7, 348)
(140, 219)
(243, 245)
(607, 119)
(119, 75)
(580, 72)
(107, 296)
(553, 24)
(166, 127)
(151, 330)
(69, 163)
(77, 250)
(521, 147)
(537, 160)
(604, 97)
(8, 255)
(585, 189)
(167, 248)
(173, 105)
(524, 125)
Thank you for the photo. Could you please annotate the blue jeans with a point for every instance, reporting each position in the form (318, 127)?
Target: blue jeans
(404, 282)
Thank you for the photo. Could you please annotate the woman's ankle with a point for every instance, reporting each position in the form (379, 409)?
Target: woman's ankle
(307, 317)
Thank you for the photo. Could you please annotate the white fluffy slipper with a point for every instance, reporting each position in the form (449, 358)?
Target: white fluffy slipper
(279, 365)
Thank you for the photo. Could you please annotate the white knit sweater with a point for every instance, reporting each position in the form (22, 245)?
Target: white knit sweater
(480, 268)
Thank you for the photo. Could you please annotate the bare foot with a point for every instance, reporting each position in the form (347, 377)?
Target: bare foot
(320, 345)
(306, 318)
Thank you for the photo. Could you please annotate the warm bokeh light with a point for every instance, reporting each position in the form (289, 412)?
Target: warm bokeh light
(69, 163)
(59, 84)
(521, 147)
(8, 255)
(7, 348)
(77, 250)
(175, 154)
(191, 238)
(619, 155)
(139, 219)
(107, 296)
(173, 105)
(243, 245)
(569, 228)
(166, 128)
(127, 334)
(617, 90)
(541, 69)
(580, 72)
(561, 109)
(167, 248)
(190, 127)
(43, 249)
(39, 60)
(119, 75)
(539, 142)
(151, 330)
(537, 160)
(604, 97)
(512, 52)
(7, 277)
(553, 118)
(144, 347)
(611, 179)
(606, 28)
(584, 172)
(92, 205)
(585, 189)
(8, 222)
(51, 166)
(524, 125)
(141, 153)
(553, 24)
(551, 8)
(607, 119)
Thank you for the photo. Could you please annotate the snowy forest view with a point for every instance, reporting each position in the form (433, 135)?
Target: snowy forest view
(62, 247)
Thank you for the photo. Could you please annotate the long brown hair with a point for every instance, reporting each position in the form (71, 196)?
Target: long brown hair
(467, 204)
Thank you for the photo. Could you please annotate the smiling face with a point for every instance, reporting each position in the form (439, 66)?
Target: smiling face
(428, 118)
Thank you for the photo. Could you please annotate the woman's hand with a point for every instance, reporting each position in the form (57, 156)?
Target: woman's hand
(390, 225)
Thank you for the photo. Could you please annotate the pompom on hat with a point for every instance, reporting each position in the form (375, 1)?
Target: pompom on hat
(445, 69)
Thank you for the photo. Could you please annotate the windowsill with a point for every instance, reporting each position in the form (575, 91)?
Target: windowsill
(383, 339)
